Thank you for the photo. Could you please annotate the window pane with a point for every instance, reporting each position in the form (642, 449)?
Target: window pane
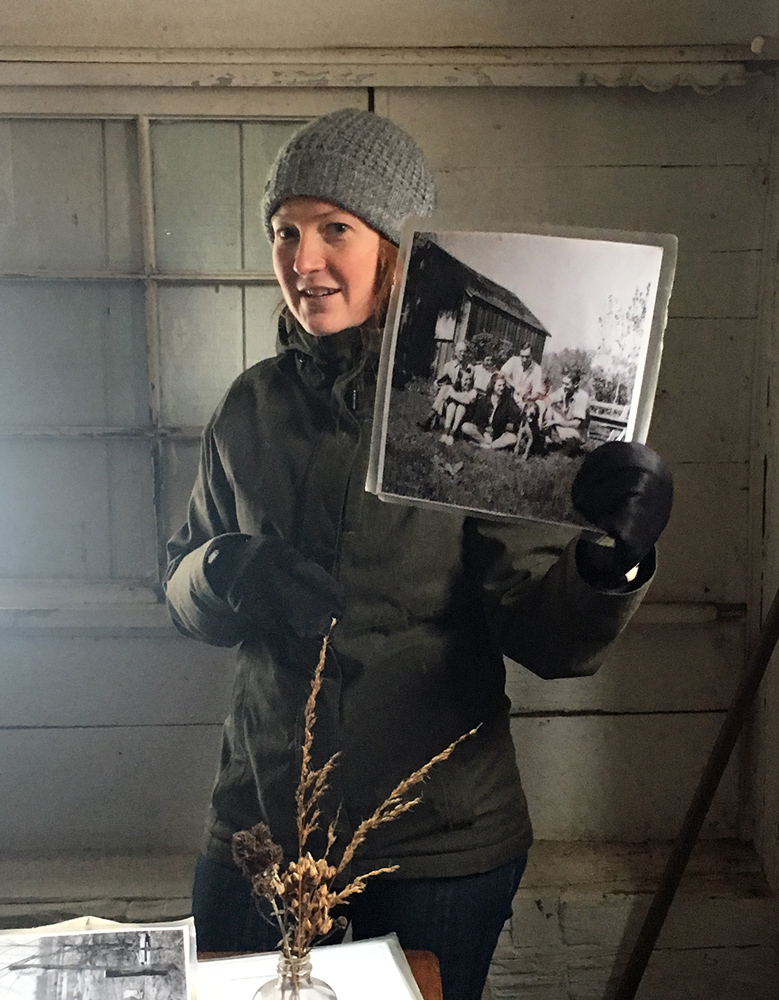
(262, 322)
(201, 348)
(77, 509)
(64, 187)
(197, 195)
(179, 469)
(261, 142)
(73, 354)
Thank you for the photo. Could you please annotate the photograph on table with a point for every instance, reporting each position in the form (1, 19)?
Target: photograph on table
(508, 356)
(100, 960)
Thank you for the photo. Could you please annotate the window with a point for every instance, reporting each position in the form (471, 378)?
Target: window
(135, 284)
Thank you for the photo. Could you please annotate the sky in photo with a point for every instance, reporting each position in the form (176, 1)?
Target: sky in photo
(566, 282)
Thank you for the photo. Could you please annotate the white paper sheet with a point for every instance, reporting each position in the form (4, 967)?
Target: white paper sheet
(375, 968)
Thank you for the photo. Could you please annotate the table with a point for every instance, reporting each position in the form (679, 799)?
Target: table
(424, 965)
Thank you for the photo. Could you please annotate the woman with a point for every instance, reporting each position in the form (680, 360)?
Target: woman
(458, 402)
(281, 536)
(496, 417)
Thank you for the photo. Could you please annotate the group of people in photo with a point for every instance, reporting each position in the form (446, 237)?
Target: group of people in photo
(512, 406)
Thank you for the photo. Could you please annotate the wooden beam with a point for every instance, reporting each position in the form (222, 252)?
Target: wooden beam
(655, 67)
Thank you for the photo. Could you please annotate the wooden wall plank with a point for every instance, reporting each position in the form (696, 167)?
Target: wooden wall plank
(708, 208)
(702, 408)
(619, 777)
(581, 127)
(289, 23)
(704, 69)
(703, 551)
(195, 102)
(105, 790)
(140, 681)
(716, 285)
(651, 668)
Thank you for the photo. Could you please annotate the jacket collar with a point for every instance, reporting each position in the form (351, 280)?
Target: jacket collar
(325, 359)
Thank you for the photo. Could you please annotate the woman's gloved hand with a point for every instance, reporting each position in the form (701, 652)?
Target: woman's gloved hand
(626, 490)
(269, 582)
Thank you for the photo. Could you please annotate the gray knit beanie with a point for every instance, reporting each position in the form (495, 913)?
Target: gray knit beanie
(360, 162)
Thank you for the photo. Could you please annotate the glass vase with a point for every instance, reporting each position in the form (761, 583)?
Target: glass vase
(295, 982)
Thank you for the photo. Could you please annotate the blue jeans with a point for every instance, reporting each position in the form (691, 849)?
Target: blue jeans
(458, 919)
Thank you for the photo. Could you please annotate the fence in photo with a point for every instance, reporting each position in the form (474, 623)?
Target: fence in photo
(608, 421)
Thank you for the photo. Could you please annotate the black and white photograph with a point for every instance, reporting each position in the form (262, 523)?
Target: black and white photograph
(512, 355)
(138, 963)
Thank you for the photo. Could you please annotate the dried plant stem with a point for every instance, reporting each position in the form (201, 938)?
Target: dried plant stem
(302, 895)
(281, 920)
(313, 781)
(359, 883)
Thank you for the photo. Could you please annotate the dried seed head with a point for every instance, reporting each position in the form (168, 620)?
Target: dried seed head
(258, 856)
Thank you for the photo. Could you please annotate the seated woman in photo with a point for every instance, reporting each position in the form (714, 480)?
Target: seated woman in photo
(459, 401)
(495, 418)
(448, 378)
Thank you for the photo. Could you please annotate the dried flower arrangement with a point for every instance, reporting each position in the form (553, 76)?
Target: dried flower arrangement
(302, 895)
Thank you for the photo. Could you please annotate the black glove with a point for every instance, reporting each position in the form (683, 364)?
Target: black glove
(626, 490)
(269, 582)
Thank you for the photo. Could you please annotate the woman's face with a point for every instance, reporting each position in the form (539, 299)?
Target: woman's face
(499, 385)
(325, 260)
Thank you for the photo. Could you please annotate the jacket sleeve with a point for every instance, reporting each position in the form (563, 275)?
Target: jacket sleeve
(194, 607)
(542, 612)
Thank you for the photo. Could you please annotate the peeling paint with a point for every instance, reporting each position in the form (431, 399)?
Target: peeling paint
(482, 78)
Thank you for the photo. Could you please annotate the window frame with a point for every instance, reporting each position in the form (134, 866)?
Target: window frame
(22, 597)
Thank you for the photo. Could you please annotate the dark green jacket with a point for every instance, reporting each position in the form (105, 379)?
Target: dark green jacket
(434, 601)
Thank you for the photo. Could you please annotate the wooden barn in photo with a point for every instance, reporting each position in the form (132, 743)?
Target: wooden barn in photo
(446, 301)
